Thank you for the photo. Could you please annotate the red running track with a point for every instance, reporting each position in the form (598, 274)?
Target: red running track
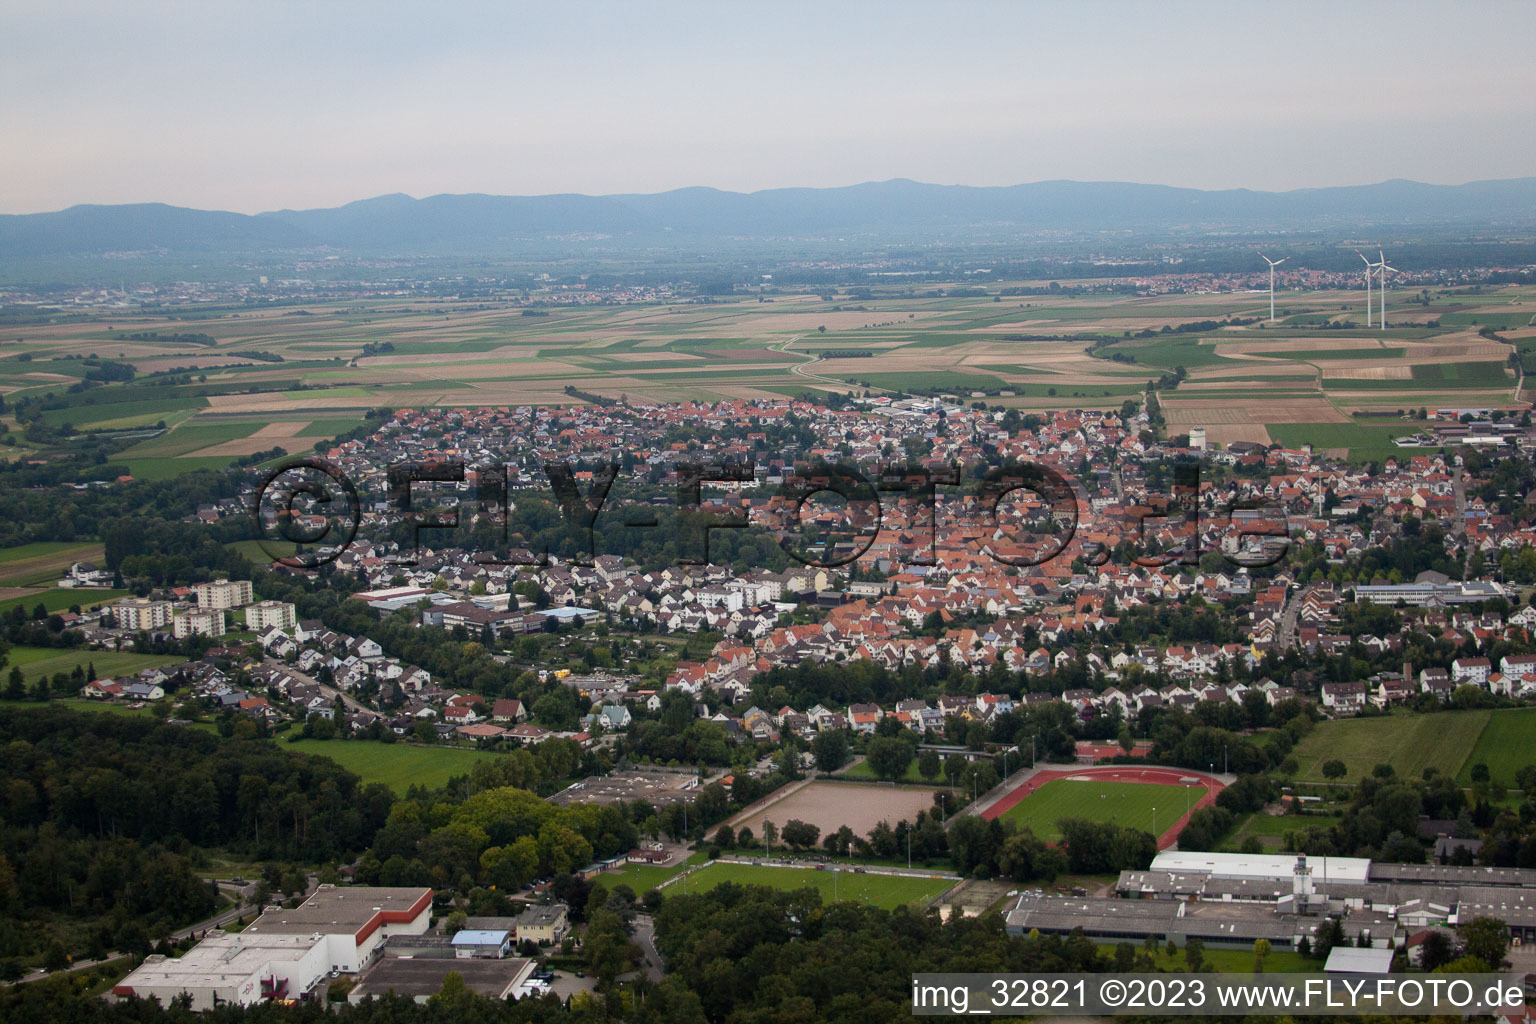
(1151, 775)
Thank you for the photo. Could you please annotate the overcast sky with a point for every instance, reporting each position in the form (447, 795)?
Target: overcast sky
(266, 105)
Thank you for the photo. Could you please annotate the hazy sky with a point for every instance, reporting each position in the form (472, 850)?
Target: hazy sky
(265, 105)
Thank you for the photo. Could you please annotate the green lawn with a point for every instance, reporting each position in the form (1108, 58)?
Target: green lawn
(864, 772)
(398, 765)
(643, 877)
(105, 707)
(171, 468)
(45, 661)
(1409, 743)
(887, 891)
(1130, 804)
(1506, 744)
(1271, 828)
(1230, 961)
(1344, 435)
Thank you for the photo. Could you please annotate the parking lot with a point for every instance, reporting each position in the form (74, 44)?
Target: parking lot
(656, 788)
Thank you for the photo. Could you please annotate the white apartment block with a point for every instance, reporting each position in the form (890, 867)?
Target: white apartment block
(139, 613)
(222, 594)
(265, 614)
(206, 623)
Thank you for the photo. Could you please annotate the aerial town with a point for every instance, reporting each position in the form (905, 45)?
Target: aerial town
(812, 514)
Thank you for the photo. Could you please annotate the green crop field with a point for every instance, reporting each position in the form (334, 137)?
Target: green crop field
(60, 599)
(1130, 804)
(397, 765)
(1506, 744)
(886, 891)
(1409, 743)
(1341, 435)
(46, 661)
(170, 468)
(44, 562)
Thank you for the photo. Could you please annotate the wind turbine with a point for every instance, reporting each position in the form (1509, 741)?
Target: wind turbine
(1272, 265)
(1381, 272)
(1369, 266)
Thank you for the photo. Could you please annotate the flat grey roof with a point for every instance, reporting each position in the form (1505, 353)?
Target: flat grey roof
(333, 910)
(412, 978)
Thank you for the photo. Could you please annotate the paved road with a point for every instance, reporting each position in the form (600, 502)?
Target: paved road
(645, 935)
(1459, 488)
(330, 691)
(868, 869)
(1289, 615)
(800, 369)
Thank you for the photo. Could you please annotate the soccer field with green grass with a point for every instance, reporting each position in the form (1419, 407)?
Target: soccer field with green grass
(397, 765)
(885, 891)
(1144, 806)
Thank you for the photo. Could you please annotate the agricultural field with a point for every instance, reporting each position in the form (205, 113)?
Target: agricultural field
(1409, 743)
(36, 662)
(1506, 744)
(1143, 806)
(885, 891)
(831, 805)
(57, 599)
(397, 765)
(30, 565)
(202, 400)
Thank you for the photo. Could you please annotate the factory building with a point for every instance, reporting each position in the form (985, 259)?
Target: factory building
(285, 954)
(1229, 900)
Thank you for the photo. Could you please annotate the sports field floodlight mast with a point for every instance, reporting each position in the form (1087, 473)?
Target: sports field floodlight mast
(1272, 265)
(1381, 273)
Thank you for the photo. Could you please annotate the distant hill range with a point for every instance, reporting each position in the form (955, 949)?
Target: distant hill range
(891, 210)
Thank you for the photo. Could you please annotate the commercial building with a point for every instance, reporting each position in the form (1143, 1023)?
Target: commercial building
(285, 954)
(1233, 899)
(223, 594)
(1429, 594)
(482, 943)
(421, 979)
(238, 969)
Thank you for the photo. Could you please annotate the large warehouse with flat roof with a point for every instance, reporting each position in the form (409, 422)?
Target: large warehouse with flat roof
(285, 954)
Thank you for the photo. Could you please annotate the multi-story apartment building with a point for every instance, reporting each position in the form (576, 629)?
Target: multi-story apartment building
(223, 594)
(140, 613)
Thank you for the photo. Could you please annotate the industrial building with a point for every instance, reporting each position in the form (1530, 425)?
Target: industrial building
(1229, 900)
(420, 980)
(285, 954)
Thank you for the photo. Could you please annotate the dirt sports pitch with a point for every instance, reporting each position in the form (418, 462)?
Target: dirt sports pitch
(1043, 798)
(831, 805)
